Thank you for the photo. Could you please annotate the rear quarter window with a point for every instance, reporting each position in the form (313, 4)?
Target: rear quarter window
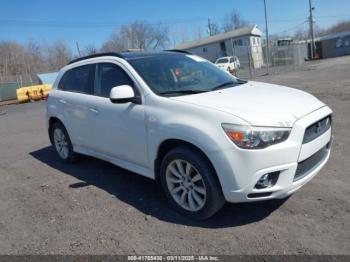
(78, 79)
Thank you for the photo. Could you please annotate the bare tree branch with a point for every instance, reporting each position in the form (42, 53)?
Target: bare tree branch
(233, 20)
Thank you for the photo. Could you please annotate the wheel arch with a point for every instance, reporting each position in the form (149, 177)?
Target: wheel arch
(52, 121)
(169, 144)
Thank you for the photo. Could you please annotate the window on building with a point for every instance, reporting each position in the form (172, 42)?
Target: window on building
(205, 50)
(339, 42)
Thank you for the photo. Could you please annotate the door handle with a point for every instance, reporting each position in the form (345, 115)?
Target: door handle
(62, 101)
(94, 110)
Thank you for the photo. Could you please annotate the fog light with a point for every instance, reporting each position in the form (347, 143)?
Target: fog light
(267, 180)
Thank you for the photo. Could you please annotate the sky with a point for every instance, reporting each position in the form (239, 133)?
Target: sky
(91, 22)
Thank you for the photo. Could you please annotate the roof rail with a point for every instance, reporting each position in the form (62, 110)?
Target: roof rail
(179, 51)
(96, 55)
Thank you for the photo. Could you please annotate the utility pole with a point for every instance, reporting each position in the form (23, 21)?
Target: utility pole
(311, 21)
(209, 27)
(78, 49)
(267, 39)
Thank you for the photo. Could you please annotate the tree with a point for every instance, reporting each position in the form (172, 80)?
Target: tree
(214, 28)
(12, 59)
(114, 43)
(301, 34)
(339, 27)
(233, 20)
(89, 50)
(58, 55)
(34, 57)
(138, 35)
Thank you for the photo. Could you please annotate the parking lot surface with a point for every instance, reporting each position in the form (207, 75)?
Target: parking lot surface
(93, 207)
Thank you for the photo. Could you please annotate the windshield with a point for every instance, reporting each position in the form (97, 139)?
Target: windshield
(222, 61)
(179, 74)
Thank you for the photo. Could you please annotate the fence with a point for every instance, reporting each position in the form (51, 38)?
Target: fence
(9, 85)
(253, 59)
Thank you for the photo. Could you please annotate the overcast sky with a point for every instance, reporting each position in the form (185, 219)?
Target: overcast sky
(91, 22)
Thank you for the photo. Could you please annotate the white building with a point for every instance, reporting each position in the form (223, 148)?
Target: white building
(245, 43)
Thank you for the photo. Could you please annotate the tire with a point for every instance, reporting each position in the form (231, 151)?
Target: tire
(204, 190)
(62, 143)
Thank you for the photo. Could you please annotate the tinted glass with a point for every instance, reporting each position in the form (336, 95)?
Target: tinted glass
(222, 61)
(109, 76)
(78, 79)
(180, 73)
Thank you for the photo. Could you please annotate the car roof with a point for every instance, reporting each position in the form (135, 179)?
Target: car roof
(131, 55)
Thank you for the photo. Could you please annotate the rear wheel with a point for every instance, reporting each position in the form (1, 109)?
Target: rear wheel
(190, 183)
(62, 143)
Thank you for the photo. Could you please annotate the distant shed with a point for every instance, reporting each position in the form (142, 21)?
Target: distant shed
(242, 43)
(333, 45)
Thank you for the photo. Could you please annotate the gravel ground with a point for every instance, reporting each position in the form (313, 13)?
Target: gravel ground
(93, 207)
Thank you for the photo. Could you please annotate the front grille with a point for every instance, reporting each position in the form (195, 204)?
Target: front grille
(317, 129)
(306, 166)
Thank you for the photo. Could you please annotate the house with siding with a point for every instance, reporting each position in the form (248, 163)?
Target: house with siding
(245, 43)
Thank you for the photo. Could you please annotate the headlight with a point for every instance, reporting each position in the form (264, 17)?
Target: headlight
(251, 137)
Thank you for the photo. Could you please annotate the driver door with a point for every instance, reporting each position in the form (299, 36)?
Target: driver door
(119, 129)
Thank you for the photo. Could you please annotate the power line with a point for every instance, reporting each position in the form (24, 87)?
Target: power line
(53, 23)
(291, 28)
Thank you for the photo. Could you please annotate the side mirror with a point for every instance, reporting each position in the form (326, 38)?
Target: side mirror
(123, 94)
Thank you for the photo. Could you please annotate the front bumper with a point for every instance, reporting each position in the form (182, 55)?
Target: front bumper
(240, 169)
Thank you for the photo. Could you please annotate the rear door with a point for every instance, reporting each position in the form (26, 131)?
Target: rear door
(75, 99)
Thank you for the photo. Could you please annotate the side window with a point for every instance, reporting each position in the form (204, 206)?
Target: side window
(78, 79)
(109, 75)
(231, 60)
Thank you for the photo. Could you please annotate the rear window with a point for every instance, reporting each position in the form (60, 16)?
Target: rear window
(79, 79)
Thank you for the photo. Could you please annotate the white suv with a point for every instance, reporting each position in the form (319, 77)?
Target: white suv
(176, 118)
(228, 63)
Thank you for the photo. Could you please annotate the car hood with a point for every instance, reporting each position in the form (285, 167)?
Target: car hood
(260, 104)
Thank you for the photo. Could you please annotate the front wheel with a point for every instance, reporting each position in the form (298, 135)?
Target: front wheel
(190, 183)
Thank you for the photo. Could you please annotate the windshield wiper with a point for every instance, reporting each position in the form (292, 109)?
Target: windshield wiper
(230, 83)
(223, 85)
(182, 92)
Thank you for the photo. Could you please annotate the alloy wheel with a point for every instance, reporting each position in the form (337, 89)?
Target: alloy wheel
(61, 143)
(186, 185)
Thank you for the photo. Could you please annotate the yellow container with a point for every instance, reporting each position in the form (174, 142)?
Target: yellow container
(23, 94)
(37, 92)
(46, 90)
